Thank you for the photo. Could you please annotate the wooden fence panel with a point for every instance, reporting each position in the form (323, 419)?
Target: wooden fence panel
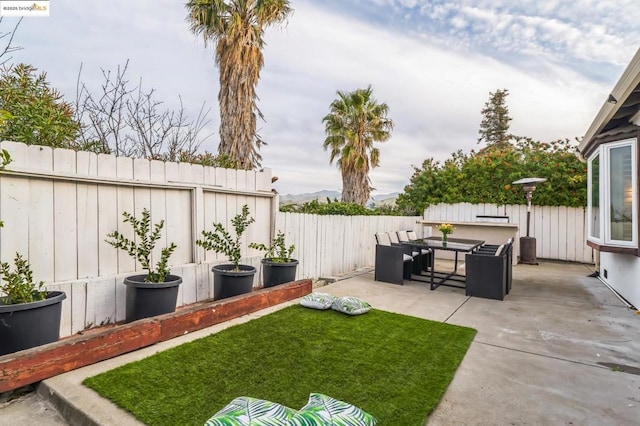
(41, 234)
(330, 245)
(59, 205)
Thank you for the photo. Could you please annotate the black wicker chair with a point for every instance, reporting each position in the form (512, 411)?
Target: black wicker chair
(393, 262)
(421, 256)
(489, 271)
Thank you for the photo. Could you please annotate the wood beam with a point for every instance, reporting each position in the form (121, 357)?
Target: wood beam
(36, 364)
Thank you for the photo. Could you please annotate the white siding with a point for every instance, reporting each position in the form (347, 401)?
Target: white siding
(622, 272)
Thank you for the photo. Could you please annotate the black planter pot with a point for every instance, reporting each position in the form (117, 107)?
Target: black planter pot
(27, 325)
(229, 283)
(274, 273)
(146, 300)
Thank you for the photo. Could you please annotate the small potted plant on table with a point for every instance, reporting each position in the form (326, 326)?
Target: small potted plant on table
(277, 266)
(153, 293)
(230, 279)
(29, 314)
(446, 229)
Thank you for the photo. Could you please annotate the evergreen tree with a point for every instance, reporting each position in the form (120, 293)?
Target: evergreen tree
(494, 127)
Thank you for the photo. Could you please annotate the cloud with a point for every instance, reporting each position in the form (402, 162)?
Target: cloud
(433, 62)
(435, 95)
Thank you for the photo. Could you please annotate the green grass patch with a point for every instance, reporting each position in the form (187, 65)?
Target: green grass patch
(393, 366)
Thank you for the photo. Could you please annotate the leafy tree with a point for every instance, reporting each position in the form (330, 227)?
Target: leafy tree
(494, 127)
(487, 176)
(237, 29)
(354, 123)
(39, 115)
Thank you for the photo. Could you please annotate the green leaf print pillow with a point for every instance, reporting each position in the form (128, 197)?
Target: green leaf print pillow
(350, 305)
(247, 411)
(317, 300)
(323, 410)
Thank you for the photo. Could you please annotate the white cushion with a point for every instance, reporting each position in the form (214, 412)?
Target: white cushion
(383, 239)
(406, 257)
(393, 237)
(425, 251)
(499, 250)
(412, 235)
(402, 236)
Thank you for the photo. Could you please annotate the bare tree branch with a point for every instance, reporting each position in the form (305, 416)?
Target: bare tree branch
(7, 38)
(130, 121)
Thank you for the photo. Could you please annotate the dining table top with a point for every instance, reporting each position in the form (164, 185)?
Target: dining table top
(452, 244)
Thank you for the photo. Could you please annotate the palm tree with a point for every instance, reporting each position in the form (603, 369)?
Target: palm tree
(355, 122)
(237, 29)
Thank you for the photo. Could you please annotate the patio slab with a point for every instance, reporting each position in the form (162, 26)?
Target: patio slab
(539, 356)
(498, 386)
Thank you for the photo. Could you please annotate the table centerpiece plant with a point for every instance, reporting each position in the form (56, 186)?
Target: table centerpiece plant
(446, 229)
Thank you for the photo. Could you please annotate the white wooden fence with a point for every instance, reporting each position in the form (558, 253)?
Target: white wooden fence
(58, 206)
(560, 232)
(331, 245)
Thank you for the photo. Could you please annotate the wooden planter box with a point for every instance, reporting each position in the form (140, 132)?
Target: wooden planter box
(33, 365)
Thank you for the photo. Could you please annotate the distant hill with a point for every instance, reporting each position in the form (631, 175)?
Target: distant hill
(303, 198)
(321, 196)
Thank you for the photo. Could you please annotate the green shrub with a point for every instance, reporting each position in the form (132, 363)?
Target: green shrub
(147, 235)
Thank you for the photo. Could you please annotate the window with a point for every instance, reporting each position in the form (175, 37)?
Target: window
(612, 187)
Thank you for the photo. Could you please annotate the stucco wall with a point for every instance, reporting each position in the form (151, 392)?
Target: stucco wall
(622, 272)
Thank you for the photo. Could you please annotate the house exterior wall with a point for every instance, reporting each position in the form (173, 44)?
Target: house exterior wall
(622, 272)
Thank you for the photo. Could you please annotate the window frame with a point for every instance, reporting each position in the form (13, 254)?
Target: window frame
(604, 154)
(590, 233)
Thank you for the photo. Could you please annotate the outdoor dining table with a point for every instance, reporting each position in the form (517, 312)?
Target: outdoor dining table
(455, 245)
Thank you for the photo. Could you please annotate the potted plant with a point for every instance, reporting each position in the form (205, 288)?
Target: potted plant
(277, 265)
(29, 314)
(230, 279)
(153, 293)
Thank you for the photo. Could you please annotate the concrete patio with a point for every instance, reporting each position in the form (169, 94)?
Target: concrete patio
(560, 349)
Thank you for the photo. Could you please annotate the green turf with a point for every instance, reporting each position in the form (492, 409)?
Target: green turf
(393, 366)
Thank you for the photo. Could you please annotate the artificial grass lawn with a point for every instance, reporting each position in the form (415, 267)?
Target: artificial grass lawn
(393, 366)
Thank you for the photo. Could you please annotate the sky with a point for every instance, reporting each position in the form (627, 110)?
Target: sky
(434, 63)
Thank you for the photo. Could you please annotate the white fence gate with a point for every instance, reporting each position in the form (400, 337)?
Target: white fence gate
(58, 205)
(560, 232)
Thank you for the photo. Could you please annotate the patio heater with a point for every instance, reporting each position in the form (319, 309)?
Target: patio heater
(528, 244)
